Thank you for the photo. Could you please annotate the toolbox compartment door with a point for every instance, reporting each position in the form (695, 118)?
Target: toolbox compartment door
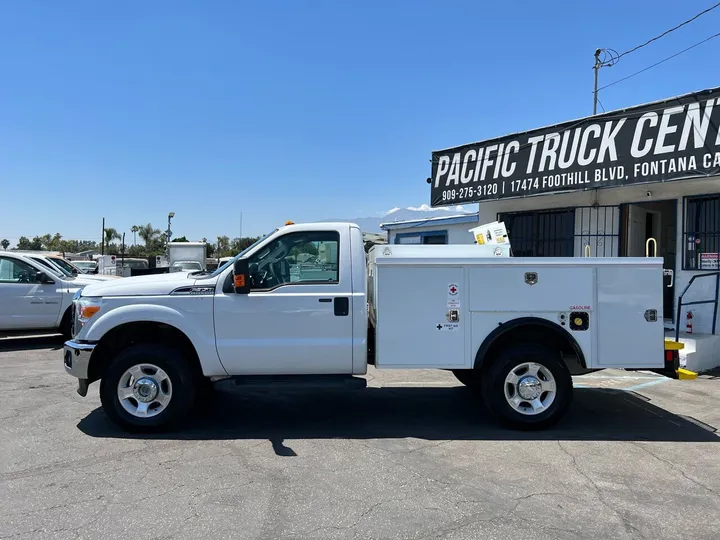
(627, 336)
(413, 330)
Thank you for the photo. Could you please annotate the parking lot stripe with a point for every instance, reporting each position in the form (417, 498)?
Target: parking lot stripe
(645, 385)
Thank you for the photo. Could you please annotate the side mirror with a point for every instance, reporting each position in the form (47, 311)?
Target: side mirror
(42, 277)
(241, 277)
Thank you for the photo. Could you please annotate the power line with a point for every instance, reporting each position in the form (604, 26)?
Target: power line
(660, 62)
(666, 32)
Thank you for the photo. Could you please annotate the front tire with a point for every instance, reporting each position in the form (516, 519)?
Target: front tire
(66, 325)
(528, 386)
(148, 387)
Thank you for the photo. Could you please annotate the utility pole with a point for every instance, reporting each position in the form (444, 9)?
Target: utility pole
(102, 239)
(596, 68)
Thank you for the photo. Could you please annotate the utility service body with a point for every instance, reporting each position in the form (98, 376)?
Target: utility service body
(676, 139)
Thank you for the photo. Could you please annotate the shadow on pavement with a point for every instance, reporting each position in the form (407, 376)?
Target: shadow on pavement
(424, 413)
(53, 342)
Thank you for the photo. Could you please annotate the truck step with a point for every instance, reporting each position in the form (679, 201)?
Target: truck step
(300, 381)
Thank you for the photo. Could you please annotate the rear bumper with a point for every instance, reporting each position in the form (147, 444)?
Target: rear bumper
(76, 358)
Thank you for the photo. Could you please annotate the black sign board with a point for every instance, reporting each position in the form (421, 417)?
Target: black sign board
(670, 140)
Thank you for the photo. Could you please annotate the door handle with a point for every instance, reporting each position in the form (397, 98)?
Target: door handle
(669, 272)
(342, 306)
(325, 300)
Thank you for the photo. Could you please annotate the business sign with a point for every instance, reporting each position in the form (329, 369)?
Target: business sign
(670, 140)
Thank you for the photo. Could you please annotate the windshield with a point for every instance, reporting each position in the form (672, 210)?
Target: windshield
(54, 270)
(64, 264)
(243, 252)
(188, 265)
(136, 264)
(86, 265)
(57, 270)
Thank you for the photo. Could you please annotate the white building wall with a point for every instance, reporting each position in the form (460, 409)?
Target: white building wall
(458, 233)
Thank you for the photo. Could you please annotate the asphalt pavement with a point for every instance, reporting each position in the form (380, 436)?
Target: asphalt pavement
(414, 456)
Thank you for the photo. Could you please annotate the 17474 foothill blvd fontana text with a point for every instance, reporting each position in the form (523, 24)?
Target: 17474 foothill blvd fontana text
(669, 140)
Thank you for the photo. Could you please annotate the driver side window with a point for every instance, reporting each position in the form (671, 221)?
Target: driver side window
(296, 258)
(15, 271)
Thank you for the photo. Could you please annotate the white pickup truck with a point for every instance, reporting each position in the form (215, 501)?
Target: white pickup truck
(35, 296)
(307, 301)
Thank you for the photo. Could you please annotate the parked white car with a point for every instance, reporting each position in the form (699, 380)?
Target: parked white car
(34, 298)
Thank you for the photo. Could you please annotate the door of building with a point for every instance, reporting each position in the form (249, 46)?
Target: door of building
(655, 220)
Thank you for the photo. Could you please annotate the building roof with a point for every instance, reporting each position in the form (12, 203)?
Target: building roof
(444, 220)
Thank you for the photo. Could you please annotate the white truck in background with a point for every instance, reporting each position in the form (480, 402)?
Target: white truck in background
(35, 297)
(307, 301)
(186, 256)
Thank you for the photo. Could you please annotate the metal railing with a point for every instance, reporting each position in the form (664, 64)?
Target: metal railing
(714, 302)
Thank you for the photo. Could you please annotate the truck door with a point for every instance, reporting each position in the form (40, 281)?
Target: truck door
(24, 303)
(297, 319)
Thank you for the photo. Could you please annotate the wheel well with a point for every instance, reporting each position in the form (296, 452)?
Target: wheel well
(126, 335)
(533, 331)
(66, 315)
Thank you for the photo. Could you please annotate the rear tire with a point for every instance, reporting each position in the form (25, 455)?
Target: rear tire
(528, 386)
(148, 387)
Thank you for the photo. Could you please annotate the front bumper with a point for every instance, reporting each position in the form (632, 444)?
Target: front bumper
(76, 358)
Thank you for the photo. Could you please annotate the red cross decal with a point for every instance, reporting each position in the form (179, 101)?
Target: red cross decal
(453, 290)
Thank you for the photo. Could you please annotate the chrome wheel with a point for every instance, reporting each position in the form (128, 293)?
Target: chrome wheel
(144, 390)
(530, 388)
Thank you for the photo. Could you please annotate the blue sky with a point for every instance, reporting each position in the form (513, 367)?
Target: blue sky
(299, 109)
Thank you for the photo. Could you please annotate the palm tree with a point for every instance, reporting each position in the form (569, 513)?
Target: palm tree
(148, 234)
(134, 229)
(55, 242)
(5, 243)
(110, 235)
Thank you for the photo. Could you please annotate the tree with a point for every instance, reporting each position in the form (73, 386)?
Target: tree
(5, 243)
(137, 251)
(223, 246)
(36, 244)
(239, 244)
(45, 241)
(23, 243)
(134, 229)
(181, 239)
(148, 234)
(54, 243)
(110, 235)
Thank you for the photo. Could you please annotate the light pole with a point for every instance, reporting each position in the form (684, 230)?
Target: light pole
(168, 233)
